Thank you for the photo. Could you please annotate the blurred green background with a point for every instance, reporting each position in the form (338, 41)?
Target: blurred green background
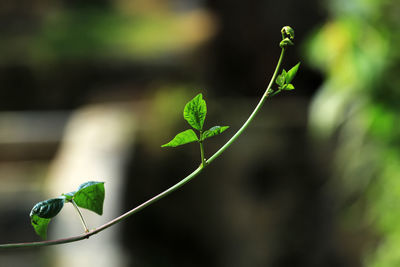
(357, 105)
(91, 89)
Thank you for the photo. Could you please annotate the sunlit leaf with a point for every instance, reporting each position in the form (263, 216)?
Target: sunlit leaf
(289, 86)
(90, 195)
(182, 138)
(213, 131)
(291, 73)
(195, 112)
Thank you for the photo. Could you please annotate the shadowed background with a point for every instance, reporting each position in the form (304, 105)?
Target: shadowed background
(89, 90)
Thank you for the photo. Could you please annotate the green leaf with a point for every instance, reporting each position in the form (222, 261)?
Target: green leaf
(195, 112)
(182, 138)
(48, 208)
(291, 73)
(42, 213)
(90, 195)
(40, 225)
(213, 131)
(288, 87)
(280, 80)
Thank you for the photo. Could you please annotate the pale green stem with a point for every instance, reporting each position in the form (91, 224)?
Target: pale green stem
(253, 114)
(167, 191)
(80, 216)
(203, 159)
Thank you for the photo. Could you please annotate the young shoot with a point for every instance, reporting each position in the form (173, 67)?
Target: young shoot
(90, 195)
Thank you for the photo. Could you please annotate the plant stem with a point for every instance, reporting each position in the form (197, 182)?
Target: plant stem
(203, 159)
(167, 191)
(253, 114)
(80, 216)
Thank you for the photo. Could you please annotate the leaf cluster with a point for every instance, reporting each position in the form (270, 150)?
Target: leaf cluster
(89, 195)
(194, 113)
(286, 77)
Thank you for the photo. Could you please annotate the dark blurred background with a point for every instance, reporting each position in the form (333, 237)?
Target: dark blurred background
(89, 90)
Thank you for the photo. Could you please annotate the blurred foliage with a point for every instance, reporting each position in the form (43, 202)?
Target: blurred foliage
(62, 54)
(104, 33)
(357, 50)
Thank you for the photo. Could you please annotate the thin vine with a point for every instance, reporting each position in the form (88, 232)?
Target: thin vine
(90, 195)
